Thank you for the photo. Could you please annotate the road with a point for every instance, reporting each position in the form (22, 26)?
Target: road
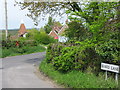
(20, 72)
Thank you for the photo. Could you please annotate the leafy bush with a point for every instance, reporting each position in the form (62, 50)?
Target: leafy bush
(9, 44)
(40, 37)
(65, 58)
(85, 55)
(109, 50)
(43, 38)
(75, 29)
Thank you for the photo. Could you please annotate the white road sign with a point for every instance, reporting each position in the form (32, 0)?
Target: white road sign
(110, 67)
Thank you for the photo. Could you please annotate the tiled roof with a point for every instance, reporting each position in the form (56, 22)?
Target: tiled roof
(22, 29)
(58, 30)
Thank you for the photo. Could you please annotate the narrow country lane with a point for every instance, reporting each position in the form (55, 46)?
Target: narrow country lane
(19, 72)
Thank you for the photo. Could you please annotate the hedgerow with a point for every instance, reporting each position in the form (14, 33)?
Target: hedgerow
(66, 57)
(10, 43)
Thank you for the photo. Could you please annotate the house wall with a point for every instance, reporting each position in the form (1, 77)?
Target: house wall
(24, 35)
(62, 39)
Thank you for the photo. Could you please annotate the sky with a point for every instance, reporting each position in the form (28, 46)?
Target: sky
(16, 15)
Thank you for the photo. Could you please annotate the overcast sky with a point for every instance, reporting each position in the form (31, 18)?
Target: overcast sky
(15, 15)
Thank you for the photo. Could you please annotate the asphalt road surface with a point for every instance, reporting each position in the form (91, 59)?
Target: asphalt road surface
(19, 72)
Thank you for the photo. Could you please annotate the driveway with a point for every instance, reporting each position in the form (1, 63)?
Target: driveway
(20, 72)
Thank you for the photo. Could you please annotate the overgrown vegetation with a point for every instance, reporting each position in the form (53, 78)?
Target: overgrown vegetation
(91, 42)
(9, 48)
(51, 23)
(40, 37)
(67, 57)
(24, 45)
(93, 37)
(76, 79)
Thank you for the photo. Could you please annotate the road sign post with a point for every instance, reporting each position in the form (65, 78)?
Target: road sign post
(116, 78)
(106, 75)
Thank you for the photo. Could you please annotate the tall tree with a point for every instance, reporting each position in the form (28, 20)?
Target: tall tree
(42, 8)
(48, 26)
(87, 10)
(76, 31)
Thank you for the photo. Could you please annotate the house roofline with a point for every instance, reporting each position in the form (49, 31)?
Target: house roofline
(53, 31)
(56, 33)
(50, 32)
(61, 29)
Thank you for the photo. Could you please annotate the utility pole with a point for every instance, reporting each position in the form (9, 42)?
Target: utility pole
(6, 20)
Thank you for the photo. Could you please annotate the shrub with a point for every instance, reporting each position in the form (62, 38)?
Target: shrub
(109, 50)
(40, 37)
(66, 57)
(9, 44)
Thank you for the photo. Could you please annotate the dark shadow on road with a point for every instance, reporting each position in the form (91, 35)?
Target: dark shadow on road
(35, 61)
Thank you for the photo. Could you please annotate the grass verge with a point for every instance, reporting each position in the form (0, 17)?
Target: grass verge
(21, 51)
(76, 79)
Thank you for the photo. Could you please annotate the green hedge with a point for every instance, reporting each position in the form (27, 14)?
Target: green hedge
(66, 57)
(9, 44)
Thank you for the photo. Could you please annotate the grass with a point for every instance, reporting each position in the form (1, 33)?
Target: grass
(21, 51)
(76, 79)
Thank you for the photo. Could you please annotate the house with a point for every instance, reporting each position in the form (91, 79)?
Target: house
(54, 32)
(22, 31)
(58, 32)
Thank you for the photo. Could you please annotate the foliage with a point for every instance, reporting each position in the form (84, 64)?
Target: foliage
(78, 57)
(32, 34)
(100, 45)
(40, 37)
(51, 8)
(57, 23)
(13, 51)
(76, 31)
(76, 79)
(93, 35)
(48, 26)
(44, 38)
(51, 23)
(42, 29)
(109, 50)
(102, 22)
(11, 44)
